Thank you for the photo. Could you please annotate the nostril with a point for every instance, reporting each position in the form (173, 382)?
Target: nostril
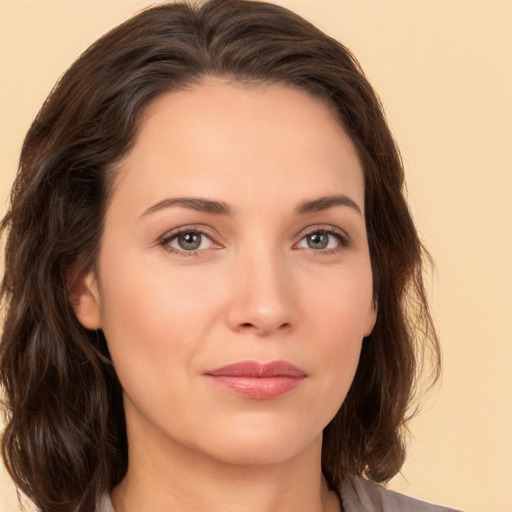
(262, 329)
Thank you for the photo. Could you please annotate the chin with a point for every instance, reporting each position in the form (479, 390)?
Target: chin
(260, 446)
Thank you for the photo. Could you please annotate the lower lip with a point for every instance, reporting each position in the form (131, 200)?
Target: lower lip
(258, 388)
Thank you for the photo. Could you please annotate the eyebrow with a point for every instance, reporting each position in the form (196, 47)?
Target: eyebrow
(193, 203)
(327, 202)
(221, 208)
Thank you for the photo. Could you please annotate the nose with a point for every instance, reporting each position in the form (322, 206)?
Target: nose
(263, 299)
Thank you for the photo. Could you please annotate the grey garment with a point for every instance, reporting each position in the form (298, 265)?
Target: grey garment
(105, 504)
(358, 495)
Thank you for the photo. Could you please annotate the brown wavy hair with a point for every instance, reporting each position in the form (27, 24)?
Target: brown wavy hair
(65, 438)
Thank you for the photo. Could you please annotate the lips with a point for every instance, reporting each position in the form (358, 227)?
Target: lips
(258, 381)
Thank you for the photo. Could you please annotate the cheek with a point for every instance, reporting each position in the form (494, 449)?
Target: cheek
(341, 348)
(339, 313)
(151, 317)
(341, 308)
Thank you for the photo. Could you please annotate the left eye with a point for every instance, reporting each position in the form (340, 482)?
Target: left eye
(320, 240)
(190, 241)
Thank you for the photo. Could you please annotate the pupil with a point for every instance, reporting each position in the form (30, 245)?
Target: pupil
(189, 241)
(318, 241)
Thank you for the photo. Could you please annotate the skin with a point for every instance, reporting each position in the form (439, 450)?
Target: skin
(259, 287)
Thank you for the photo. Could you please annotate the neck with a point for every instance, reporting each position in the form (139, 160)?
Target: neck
(179, 478)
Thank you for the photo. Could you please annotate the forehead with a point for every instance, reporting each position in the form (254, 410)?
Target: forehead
(228, 139)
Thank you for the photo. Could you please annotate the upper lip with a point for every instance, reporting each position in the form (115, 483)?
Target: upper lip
(258, 370)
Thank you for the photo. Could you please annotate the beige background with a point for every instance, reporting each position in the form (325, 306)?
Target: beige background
(442, 69)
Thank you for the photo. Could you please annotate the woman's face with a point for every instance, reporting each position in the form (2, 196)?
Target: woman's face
(233, 283)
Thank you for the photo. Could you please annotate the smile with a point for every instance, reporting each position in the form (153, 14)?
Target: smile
(258, 381)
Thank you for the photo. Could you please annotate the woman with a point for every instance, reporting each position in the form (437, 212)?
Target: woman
(213, 283)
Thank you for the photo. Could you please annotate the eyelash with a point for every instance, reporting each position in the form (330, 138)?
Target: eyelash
(342, 238)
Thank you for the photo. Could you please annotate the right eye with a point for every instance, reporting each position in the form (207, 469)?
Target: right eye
(187, 241)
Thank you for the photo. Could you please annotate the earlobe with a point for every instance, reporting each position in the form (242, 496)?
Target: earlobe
(372, 318)
(85, 299)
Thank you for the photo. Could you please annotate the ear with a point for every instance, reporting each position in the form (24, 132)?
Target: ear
(85, 299)
(371, 318)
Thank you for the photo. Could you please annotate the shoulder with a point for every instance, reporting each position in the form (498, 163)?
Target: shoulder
(359, 495)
